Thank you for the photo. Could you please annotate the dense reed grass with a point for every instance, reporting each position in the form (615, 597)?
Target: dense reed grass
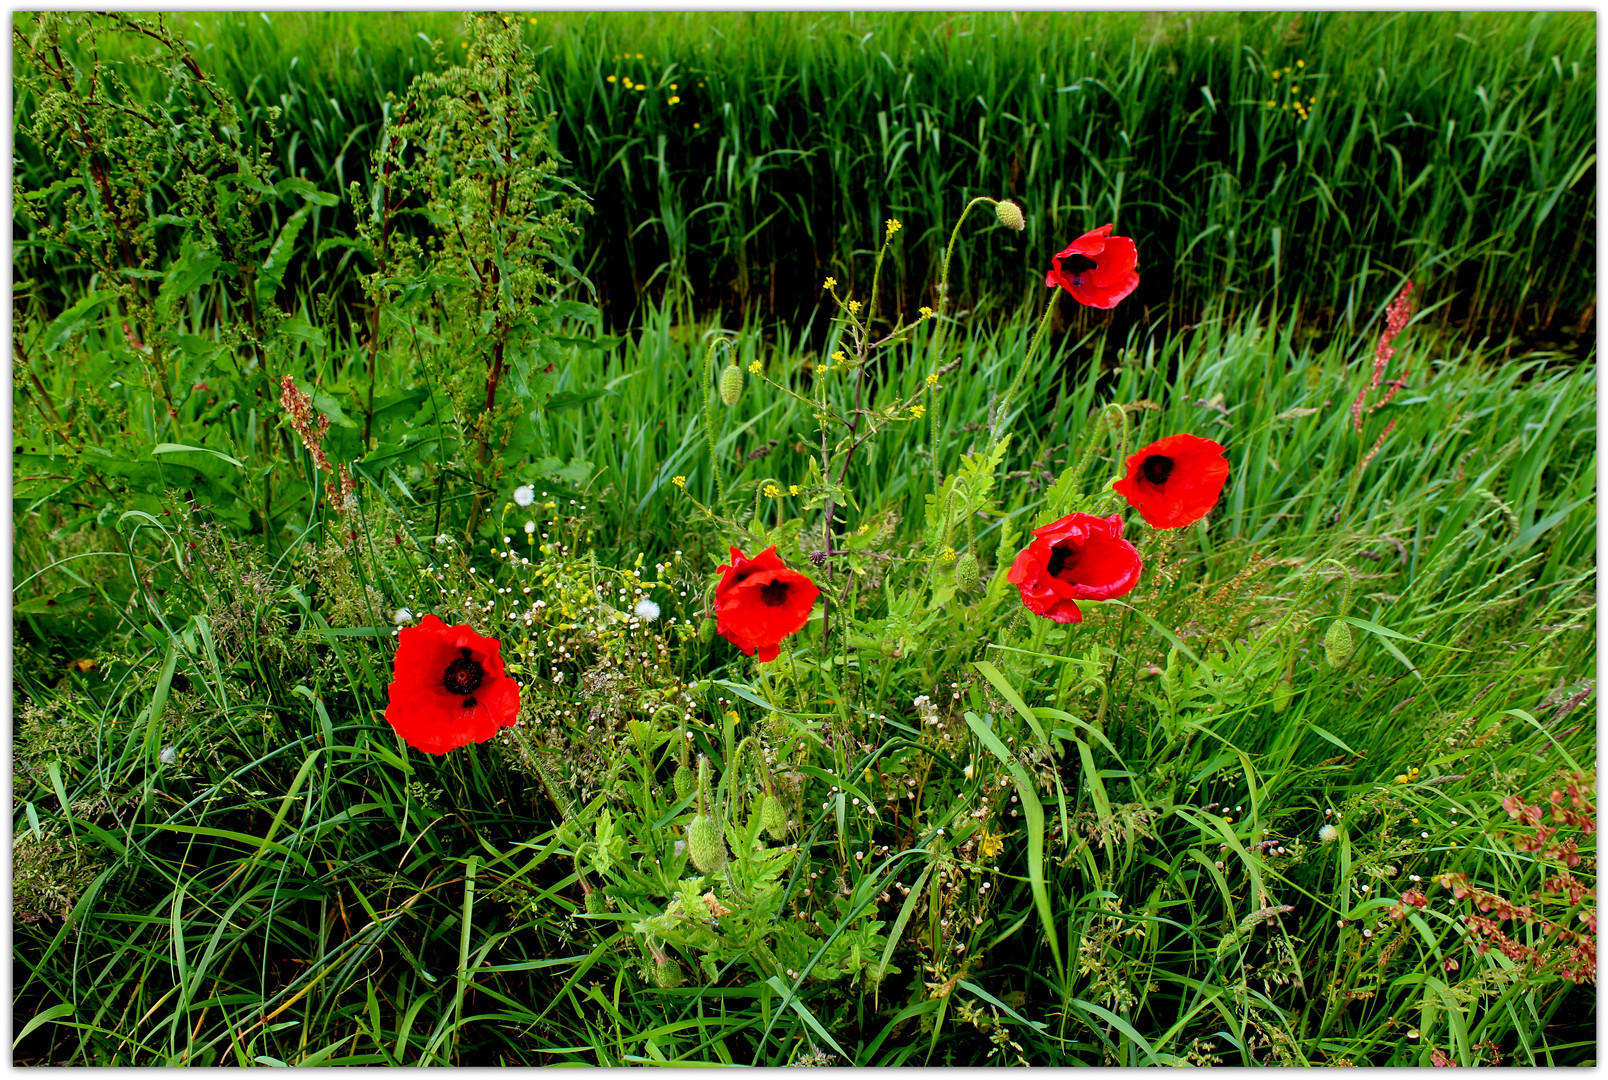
(1319, 155)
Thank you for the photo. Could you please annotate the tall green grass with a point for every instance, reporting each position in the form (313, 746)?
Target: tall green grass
(287, 892)
(1457, 149)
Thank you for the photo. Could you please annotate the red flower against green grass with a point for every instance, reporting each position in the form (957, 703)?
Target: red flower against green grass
(1174, 481)
(448, 688)
(1080, 557)
(759, 602)
(1096, 268)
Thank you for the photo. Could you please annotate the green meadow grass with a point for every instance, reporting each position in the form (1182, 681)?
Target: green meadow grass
(296, 899)
(1456, 149)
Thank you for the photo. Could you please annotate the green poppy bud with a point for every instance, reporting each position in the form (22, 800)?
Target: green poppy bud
(967, 574)
(706, 630)
(667, 973)
(684, 780)
(596, 902)
(1337, 644)
(773, 817)
(1010, 215)
(705, 844)
(731, 384)
(1283, 690)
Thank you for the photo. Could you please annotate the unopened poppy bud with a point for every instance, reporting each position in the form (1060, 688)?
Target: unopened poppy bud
(1283, 690)
(596, 902)
(667, 973)
(705, 844)
(773, 817)
(684, 780)
(706, 630)
(1337, 644)
(731, 384)
(967, 575)
(1010, 215)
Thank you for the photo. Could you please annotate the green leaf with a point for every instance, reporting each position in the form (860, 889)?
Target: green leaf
(180, 448)
(272, 274)
(71, 321)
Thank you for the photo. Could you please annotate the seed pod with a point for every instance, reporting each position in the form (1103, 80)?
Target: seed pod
(773, 817)
(1010, 215)
(667, 973)
(967, 574)
(684, 780)
(1337, 644)
(596, 902)
(706, 630)
(731, 384)
(705, 844)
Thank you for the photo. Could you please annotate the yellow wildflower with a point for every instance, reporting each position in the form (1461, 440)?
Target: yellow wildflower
(756, 367)
(792, 489)
(854, 307)
(829, 283)
(926, 312)
(674, 100)
(679, 481)
(1276, 75)
(672, 86)
(1300, 63)
(932, 379)
(614, 78)
(639, 56)
(948, 556)
(772, 491)
(839, 357)
(918, 411)
(893, 226)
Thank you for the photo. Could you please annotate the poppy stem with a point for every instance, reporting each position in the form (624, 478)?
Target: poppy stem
(1032, 347)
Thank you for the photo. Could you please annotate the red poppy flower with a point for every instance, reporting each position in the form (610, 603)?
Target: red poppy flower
(1096, 268)
(448, 688)
(1080, 557)
(759, 602)
(1174, 481)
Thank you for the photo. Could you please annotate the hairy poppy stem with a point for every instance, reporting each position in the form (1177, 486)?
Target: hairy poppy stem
(1032, 347)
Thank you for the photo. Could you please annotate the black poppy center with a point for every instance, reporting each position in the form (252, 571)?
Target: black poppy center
(1157, 467)
(774, 594)
(1060, 555)
(464, 675)
(1077, 264)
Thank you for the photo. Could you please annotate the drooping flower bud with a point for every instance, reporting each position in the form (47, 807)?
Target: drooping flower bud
(684, 780)
(705, 844)
(706, 630)
(667, 973)
(596, 902)
(967, 574)
(731, 384)
(1337, 644)
(1010, 215)
(773, 817)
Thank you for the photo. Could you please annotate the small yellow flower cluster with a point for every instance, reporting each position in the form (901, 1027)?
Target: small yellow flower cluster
(792, 489)
(839, 358)
(893, 226)
(679, 481)
(756, 367)
(1407, 777)
(771, 491)
(932, 379)
(948, 556)
(918, 411)
(926, 312)
(854, 307)
(829, 283)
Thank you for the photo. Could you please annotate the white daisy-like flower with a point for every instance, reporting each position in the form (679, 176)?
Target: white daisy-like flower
(646, 610)
(403, 615)
(1328, 834)
(530, 528)
(525, 494)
